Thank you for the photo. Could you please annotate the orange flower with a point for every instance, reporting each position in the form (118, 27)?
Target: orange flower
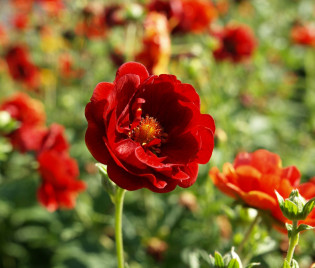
(156, 50)
(303, 35)
(254, 177)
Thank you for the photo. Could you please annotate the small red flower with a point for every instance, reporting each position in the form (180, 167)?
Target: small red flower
(59, 186)
(148, 130)
(92, 24)
(254, 177)
(303, 35)
(20, 21)
(236, 43)
(31, 117)
(196, 16)
(21, 68)
(58, 170)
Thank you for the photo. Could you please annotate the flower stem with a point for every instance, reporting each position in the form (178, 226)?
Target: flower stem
(293, 241)
(248, 233)
(119, 201)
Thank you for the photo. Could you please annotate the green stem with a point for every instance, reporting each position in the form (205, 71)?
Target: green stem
(119, 201)
(248, 233)
(294, 239)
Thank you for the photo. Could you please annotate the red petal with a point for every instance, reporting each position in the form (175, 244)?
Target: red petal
(132, 68)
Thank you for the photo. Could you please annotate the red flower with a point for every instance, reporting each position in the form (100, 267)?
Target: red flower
(254, 177)
(59, 186)
(303, 35)
(196, 16)
(148, 130)
(58, 170)
(31, 117)
(21, 68)
(236, 43)
(156, 44)
(186, 15)
(20, 21)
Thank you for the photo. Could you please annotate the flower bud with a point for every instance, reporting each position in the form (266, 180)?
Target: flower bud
(295, 207)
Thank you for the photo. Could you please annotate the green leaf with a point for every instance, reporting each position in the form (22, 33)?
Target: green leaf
(308, 207)
(294, 264)
(291, 210)
(289, 229)
(233, 264)
(253, 264)
(303, 227)
(280, 200)
(218, 260)
(108, 185)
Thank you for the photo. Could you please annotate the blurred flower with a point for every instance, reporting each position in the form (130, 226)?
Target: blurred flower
(196, 16)
(58, 170)
(3, 36)
(52, 7)
(59, 186)
(222, 7)
(92, 24)
(66, 68)
(50, 41)
(236, 43)
(189, 201)
(22, 5)
(156, 247)
(156, 50)
(133, 128)
(225, 226)
(254, 177)
(303, 34)
(20, 21)
(113, 15)
(31, 117)
(172, 9)
(21, 68)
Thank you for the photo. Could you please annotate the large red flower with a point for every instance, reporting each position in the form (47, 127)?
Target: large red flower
(236, 43)
(254, 177)
(31, 117)
(148, 130)
(21, 68)
(58, 170)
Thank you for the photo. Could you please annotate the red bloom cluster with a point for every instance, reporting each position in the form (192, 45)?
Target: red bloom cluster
(186, 15)
(236, 43)
(148, 130)
(21, 68)
(57, 169)
(303, 35)
(254, 177)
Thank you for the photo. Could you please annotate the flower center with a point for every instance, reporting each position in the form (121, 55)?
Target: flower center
(148, 130)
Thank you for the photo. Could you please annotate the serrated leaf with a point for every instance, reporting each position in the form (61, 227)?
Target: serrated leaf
(218, 260)
(303, 227)
(233, 264)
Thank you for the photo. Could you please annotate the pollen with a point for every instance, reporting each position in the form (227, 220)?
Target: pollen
(148, 130)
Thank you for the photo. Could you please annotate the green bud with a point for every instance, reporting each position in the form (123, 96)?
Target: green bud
(295, 207)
